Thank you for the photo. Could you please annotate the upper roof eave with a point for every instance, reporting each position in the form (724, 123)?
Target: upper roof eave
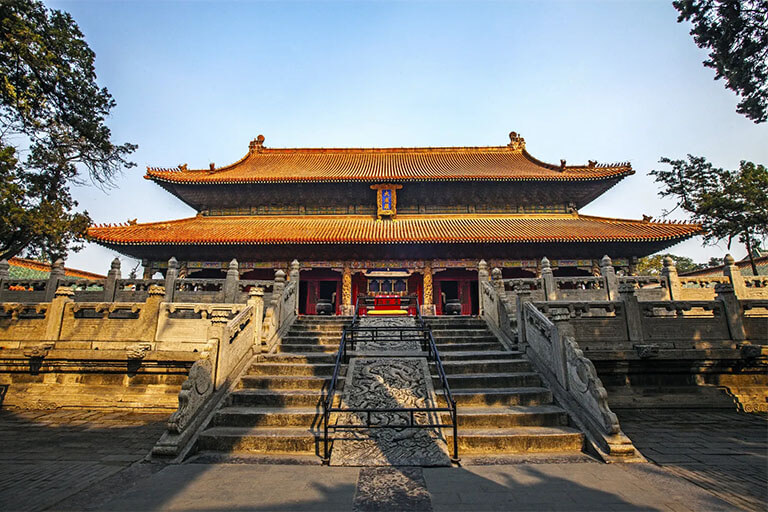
(365, 165)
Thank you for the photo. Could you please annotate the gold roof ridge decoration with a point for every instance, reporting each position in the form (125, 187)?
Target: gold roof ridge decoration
(363, 229)
(461, 163)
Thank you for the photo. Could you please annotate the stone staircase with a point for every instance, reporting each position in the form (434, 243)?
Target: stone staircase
(276, 408)
(503, 406)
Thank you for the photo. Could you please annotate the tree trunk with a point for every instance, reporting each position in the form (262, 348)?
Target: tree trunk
(751, 257)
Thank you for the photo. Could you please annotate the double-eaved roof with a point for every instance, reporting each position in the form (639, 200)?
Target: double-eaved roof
(364, 229)
(289, 165)
(264, 165)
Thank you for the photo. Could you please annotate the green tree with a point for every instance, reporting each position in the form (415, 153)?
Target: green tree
(736, 34)
(651, 265)
(728, 204)
(52, 130)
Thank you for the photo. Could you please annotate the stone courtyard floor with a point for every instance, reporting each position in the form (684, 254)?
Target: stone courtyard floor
(85, 460)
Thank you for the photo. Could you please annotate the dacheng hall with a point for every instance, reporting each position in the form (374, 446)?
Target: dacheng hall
(410, 221)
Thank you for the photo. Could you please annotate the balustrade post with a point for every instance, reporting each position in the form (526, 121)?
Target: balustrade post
(110, 285)
(732, 309)
(346, 291)
(230, 283)
(669, 272)
(294, 274)
(170, 279)
(609, 277)
(5, 274)
(734, 274)
(548, 280)
(57, 273)
(256, 301)
(482, 277)
(217, 334)
(55, 314)
(631, 312)
(561, 318)
(149, 314)
(498, 283)
(521, 297)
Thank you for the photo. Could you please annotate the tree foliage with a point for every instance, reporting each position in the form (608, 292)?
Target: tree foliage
(728, 204)
(652, 265)
(52, 130)
(736, 34)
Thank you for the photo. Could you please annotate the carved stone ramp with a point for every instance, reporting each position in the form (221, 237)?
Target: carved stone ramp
(503, 406)
(276, 409)
(388, 374)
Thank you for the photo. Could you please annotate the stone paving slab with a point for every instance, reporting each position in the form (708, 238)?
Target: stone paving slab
(575, 487)
(724, 452)
(49, 455)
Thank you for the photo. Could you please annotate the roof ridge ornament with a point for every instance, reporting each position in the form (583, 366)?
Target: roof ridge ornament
(257, 144)
(516, 141)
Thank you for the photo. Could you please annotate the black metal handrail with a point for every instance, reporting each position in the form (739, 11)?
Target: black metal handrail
(423, 333)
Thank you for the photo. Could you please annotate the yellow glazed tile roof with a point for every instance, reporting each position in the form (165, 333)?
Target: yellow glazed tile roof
(363, 229)
(286, 165)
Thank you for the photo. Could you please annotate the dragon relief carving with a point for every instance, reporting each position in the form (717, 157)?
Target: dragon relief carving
(388, 383)
(194, 392)
(583, 380)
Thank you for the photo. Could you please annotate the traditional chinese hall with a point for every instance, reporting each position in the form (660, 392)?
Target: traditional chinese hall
(403, 221)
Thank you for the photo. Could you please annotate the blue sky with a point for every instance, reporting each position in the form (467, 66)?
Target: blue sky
(607, 80)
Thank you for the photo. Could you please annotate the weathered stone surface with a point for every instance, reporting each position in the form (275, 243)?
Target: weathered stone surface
(387, 383)
(398, 488)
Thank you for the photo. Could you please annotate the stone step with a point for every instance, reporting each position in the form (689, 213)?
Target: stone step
(297, 358)
(481, 365)
(511, 416)
(238, 416)
(463, 347)
(442, 333)
(293, 369)
(492, 380)
(312, 339)
(258, 440)
(303, 348)
(517, 440)
(276, 397)
(450, 340)
(469, 355)
(500, 396)
(315, 326)
(283, 382)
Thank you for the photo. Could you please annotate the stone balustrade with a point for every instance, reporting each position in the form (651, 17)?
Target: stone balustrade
(134, 354)
(114, 288)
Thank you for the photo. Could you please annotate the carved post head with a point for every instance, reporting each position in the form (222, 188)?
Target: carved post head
(64, 292)
(724, 289)
(4, 269)
(295, 270)
(279, 276)
(156, 290)
(482, 270)
(606, 263)
(496, 274)
(173, 263)
(546, 267)
(233, 265)
(728, 260)
(115, 265)
(626, 288)
(669, 266)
